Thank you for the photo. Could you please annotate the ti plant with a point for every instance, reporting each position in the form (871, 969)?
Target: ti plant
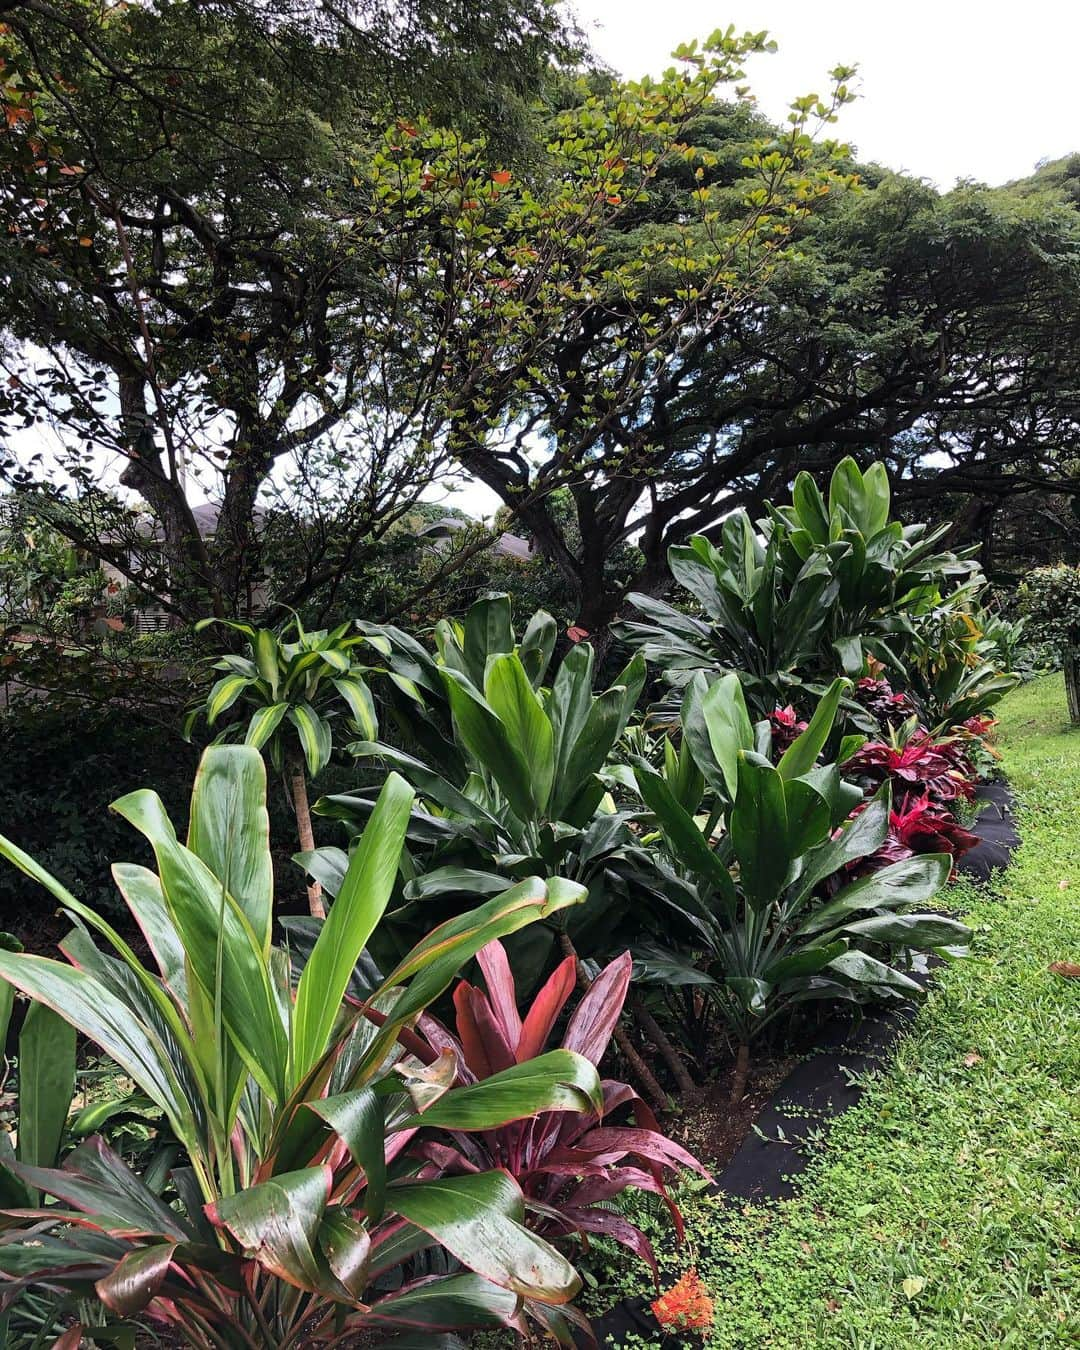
(764, 876)
(301, 1214)
(570, 1167)
(295, 690)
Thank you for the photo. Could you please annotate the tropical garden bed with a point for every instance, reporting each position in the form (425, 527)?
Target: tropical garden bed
(943, 1208)
(385, 1119)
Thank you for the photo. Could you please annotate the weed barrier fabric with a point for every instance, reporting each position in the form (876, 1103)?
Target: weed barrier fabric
(777, 1150)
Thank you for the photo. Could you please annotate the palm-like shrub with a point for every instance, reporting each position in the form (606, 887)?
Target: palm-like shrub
(296, 1206)
(764, 878)
(815, 587)
(513, 786)
(295, 690)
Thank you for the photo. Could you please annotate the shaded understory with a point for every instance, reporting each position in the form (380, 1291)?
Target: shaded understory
(944, 1210)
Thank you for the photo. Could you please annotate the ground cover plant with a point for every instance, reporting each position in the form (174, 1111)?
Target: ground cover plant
(943, 1208)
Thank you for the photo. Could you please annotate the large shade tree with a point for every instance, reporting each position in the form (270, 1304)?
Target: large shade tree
(186, 291)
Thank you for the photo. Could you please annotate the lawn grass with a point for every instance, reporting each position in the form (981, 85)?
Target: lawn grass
(944, 1210)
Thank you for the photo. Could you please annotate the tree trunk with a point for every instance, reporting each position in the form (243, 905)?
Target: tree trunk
(742, 1069)
(668, 1052)
(638, 1068)
(1071, 665)
(298, 792)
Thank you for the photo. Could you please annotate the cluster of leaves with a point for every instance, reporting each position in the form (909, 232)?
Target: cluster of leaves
(815, 586)
(294, 1196)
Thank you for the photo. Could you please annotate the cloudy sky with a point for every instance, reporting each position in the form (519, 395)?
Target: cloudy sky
(949, 88)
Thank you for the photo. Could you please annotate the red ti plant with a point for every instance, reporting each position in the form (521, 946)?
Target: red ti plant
(922, 765)
(918, 826)
(569, 1166)
(786, 726)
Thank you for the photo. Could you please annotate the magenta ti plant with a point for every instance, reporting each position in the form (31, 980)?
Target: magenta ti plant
(570, 1165)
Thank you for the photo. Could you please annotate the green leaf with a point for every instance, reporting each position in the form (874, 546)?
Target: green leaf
(759, 832)
(264, 646)
(223, 695)
(480, 1220)
(361, 706)
(911, 882)
(801, 755)
(46, 1083)
(728, 725)
(315, 737)
(359, 1121)
(277, 1223)
(537, 645)
(264, 722)
(517, 706)
(487, 741)
(911, 930)
(455, 1301)
(229, 829)
(557, 1081)
(689, 846)
(360, 904)
(224, 953)
(136, 1279)
(90, 1008)
(489, 632)
(862, 969)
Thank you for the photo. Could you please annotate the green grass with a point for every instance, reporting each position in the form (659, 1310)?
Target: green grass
(944, 1210)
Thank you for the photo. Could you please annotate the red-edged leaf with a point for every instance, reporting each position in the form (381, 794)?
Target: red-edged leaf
(595, 1016)
(608, 1144)
(135, 1280)
(614, 1226)
(486, 1050)
(70, 1340)
(545, 1010)
(502, 993)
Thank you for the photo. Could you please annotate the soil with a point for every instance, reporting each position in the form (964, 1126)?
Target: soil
(713, 1128)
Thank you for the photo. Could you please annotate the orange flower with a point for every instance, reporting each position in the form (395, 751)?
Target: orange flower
(687, 1305)
(501, 177)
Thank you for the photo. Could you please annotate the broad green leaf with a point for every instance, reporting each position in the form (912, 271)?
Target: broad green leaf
(802, 754)
(315, 737)
(911, 930)
(486, 739)
(911, 882)
(558, 1081)
(46, 1083)
(264, 647)
(517, 706)
(224, 953)
(537, 645)
(810, 505)
(104, 1019)
(277, 1223)
(488, 632)
(360, 903)
(862, 969)
(759, 832)
(346, 1244)
(689, 846)
(264, 722)
(480, 1220)
(136, 1279)
(358, 1119)
(361, 705)
(229, 829)
(728, 725)
(452, 1301)
(223, 695)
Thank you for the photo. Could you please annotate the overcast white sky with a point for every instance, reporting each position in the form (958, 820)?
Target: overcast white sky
(949, 88)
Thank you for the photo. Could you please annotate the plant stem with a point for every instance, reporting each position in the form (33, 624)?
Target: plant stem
(659, 1036)
(638, 1067)
(742, 1068)
(298, 791)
